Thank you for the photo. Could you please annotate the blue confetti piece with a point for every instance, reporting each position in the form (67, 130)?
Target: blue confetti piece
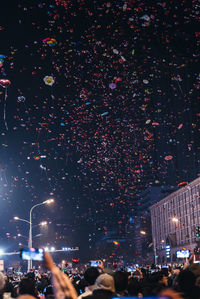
(104, 114)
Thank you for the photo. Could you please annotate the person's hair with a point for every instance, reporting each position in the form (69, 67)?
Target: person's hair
(195, 268)
(48, 292)
(91, 275)
(8, 286)
(121, 281)
(30, 275)
(133, 287)
(186, 280)
(156, 277)
(27, 286)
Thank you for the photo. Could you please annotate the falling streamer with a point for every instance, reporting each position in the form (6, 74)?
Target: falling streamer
(4, 109)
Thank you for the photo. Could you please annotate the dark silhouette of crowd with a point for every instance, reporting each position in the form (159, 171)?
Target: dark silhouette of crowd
(175, 282)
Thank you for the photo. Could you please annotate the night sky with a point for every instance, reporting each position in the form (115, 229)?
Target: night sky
(121, 113)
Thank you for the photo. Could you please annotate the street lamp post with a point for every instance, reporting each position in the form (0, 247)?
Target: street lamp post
(20, 219)
(30, 238)
(30, 241)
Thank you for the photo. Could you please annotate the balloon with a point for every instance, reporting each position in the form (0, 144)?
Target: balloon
(168, 158)
(21, 99)
(48, 80)
(50, 41)
(36, 158)
(115, 51)
(182, 184)
(155, 124)
(145, 17)
(118, 80)
(112, 85)
(75, 261)
(5, 83)
(145, 81)
(116, 243)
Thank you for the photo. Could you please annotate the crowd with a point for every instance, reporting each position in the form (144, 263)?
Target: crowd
(171, 282)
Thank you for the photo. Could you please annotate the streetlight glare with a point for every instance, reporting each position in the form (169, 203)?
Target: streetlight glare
(1, 251)
(48, 201)
(16, 218)
(175, 219)
(43, 223)
(143, 232)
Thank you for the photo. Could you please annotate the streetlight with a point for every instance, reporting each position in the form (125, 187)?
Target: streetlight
(43, 223)
(51, 249)
(36, 236)
(175, 219)
(20, 219)
(30, 242)
(48, 201)
(30, 239)
(143, 232)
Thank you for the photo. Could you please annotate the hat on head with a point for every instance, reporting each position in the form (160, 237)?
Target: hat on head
(105, 282)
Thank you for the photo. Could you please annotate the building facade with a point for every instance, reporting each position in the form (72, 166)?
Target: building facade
(138, 230)
(174, 220)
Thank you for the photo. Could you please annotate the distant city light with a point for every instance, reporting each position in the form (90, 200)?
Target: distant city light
(143, 232)
(49, 201)
(175, 219)
(43, 223)
(70, 248)
(66, 248)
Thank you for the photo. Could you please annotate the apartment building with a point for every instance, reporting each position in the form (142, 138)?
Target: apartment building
(174, 219)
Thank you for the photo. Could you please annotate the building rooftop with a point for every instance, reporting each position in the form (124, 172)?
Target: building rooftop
(176, 193)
